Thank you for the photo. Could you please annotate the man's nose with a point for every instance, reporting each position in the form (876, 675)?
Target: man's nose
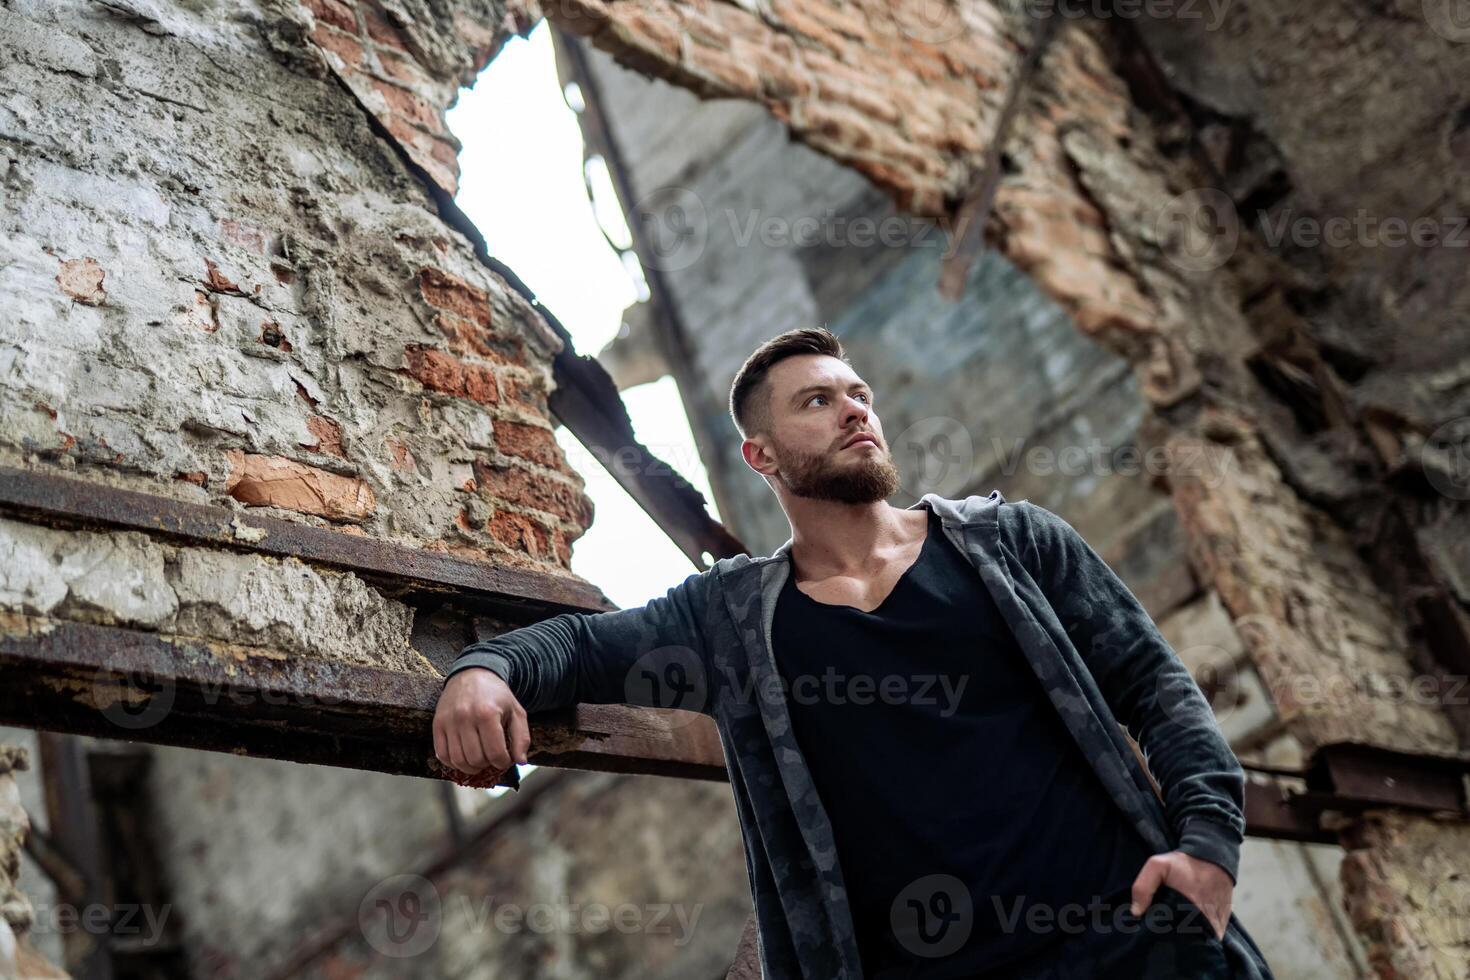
(854, 411)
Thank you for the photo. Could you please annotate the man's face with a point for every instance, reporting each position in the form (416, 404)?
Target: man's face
(825, 438)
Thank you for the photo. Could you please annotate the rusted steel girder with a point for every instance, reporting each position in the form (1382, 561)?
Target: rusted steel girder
(127, 684)
(522, 595)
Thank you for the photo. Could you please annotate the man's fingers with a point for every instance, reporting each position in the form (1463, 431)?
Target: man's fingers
(1147, 882)
(1219, 916)
(478, 724)
(470, 750)
(441, 745)
(491, 733)
(519, 731)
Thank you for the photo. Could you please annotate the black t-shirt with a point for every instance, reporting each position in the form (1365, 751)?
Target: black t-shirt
(966, 818)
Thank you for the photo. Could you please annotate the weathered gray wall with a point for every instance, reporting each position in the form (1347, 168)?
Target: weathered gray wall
(228, 285)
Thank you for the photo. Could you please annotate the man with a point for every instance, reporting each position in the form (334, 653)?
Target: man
(920, 711)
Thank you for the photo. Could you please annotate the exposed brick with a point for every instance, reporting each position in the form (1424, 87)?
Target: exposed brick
(445, 149)
(837, 127)
(808, 30)
(740, 23)
(201, 313)
(328, 435)
(218, 281)
(399, 456)
(483, 39)
(342, 45)
(274, 481)
(340, 15)
(583, 17)
(407, 105)
(721, 73)
(531, 442)
(447, 292)
(842, 18)
(246, 236)
(420, 147)
(530, 395)
(520, 532)
(1406, 893)
(440, 371)
(782, 75)
(81, 279)
(379, 28)
(648, 41)
(467, 338)
(518, 485)
(403, 69)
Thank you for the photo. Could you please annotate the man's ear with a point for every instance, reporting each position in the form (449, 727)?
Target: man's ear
(757, 457)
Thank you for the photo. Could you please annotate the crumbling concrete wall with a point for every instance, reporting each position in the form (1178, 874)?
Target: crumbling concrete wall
(238, 286)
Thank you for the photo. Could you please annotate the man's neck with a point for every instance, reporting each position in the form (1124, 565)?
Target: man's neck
(830, 538)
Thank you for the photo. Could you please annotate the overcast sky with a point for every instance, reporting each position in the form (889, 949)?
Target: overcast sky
(521, 182)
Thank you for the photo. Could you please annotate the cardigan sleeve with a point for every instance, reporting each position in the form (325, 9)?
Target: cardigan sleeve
(650, 656)
(1146, 686)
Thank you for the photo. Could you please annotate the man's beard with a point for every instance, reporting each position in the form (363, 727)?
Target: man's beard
(820, 476)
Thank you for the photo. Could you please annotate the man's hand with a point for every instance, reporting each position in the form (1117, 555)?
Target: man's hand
(475, 715)
(1204, 883)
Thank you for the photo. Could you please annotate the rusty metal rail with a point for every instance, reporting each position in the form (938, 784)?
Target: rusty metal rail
(523, 595)
(125, 684)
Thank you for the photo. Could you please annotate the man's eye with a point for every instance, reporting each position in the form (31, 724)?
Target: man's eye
(864, 396)
(814, 399)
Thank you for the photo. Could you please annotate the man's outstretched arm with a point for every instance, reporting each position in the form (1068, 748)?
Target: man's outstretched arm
(651, 655)
(1147, 686)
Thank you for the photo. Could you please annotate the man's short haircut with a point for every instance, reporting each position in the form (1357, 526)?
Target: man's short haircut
(750, 401)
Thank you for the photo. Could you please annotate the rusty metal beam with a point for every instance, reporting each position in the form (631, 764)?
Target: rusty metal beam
(968, 237)
(1270, 813)
(146, 687)
(1350, 778)
(520, 594)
